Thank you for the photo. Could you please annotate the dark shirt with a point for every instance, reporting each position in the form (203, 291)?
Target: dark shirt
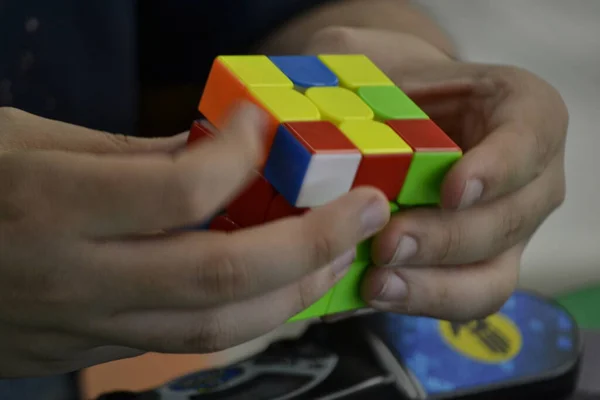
(87, 62)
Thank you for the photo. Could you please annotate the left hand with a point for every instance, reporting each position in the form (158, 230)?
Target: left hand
(461, 261)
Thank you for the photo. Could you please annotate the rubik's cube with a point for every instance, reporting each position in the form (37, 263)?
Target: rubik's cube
(335, 122)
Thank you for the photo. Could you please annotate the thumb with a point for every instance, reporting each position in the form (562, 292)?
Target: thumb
(24, 131)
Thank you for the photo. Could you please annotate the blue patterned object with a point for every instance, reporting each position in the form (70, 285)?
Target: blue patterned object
(527, 338)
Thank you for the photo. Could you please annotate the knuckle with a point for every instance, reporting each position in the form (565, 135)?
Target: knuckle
(511, 226)
(322, 250)
(449, 243)
(338, 39)
(223, 276)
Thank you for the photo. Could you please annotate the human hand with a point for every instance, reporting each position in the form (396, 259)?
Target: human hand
(89, 274)
(462, 260)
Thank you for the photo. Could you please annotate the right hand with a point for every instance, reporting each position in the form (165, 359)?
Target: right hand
(85, 278)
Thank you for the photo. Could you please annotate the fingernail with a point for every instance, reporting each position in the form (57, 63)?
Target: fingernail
(394, 290)
(406, 249)
(341, 264)
(374, 217)
(471, 194)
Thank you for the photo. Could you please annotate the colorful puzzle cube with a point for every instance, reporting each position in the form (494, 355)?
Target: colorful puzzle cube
(335, 122)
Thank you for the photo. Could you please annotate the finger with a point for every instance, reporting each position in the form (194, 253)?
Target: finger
(30, 132)
(453, 293)
(523, 123)
(442, 237)
(202, 269)
(212, 330)
(121, 195)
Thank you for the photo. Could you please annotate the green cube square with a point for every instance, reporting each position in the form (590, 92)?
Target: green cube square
(346, 296)
(390, 102)
(425, 177)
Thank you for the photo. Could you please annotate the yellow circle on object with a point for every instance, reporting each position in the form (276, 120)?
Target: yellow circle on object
(256, 71)
(494, 340)
(338, 104)
(355, 70)
(372, 137)
(287, 105)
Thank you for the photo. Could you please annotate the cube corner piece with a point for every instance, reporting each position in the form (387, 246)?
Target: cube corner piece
(324, 163)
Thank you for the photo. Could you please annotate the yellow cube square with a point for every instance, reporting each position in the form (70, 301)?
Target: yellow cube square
(337, 104)
(372, 137)
(256, 71)
(355, 71)
(286, 105)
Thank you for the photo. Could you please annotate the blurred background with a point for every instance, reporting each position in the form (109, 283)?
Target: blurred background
(558, 40)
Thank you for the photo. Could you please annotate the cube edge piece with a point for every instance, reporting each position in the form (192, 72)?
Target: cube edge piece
(331, 61)
(280, 78)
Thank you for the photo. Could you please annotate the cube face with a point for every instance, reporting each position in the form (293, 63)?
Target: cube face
(336, 122)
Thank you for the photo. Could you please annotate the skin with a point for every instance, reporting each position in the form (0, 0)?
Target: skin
(91, 269)
(460, 261)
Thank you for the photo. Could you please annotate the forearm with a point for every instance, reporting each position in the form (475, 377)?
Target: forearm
(338, 20)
